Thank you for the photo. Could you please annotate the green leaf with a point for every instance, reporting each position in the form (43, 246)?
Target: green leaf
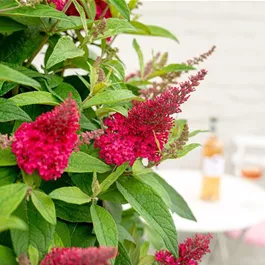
(81, 163)
(171, 197)
(63, 232)
(44, 205)
(177, 204)
(83, 181)
(176, 131)
(124, 234)
(23, 45)
(82, 14)
(7, 158)
(56, 242)
(73, 22)
(9, 74)
(170, 68)
(8, 25)
(144, 249)
(33, 255)
(117, 26)
(65, 89)
(107, 182)
(109, 97)
(72, 212)
(8, 175)
(64, 49)
(11, 196)
(86, 124)
(115, 209)
(147, 260)
(113, 195)
(41, 11)
(152, 208)
(133, 4)
(193, 133)
(142, 27)
(150, 30)
(70, 195)
(101, 112)
(33, 180)
(5, 87)
(123, 257)
(9, 112)
(117, 67)
(82, 236)
(90, 8)
(140, 56)
(104, 226)
(187, 149)
(39, 234)
(7, 256)
(122, 7)
(161, 32)
(35, 97)
(11, 222)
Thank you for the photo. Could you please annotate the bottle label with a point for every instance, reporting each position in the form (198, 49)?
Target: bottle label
(213, 166)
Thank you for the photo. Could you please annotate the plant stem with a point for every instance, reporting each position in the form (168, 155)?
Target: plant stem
(46, 38)
(9, 8)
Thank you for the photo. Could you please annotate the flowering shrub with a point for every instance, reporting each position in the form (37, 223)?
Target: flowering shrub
(72, 145)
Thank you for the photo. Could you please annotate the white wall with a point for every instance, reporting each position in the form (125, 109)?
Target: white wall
(234, 89)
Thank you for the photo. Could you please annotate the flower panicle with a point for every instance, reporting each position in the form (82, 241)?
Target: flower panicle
(201, 58)
(86, 137)
(5, 141)
(46, 144)
(84, 256)
(146, 129)
(191, 251)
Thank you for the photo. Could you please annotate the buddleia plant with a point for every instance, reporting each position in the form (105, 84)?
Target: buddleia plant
(79, 138)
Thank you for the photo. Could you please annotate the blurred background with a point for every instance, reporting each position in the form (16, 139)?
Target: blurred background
(233, 91)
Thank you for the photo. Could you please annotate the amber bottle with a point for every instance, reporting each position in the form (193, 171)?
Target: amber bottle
(212, 165)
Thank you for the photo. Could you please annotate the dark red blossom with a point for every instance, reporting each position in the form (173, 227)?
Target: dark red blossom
(79, 256)
(191, 251)
(145, 131)
(46, 144)
(102, 9)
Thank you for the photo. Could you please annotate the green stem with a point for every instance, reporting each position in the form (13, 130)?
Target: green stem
(86, 99)
(10, 8)
(46, 38)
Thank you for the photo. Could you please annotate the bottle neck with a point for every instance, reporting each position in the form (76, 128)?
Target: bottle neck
(213, 126)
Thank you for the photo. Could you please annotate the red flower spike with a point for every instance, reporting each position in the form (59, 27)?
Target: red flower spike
(46, 144)
(147, 127)
(191, 251)
(79, 256)
(101, 5)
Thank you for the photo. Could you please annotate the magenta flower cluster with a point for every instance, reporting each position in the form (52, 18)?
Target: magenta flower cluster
(46, 144)
(79, 256)
(190, 252)
(101, 8)
(145, 131)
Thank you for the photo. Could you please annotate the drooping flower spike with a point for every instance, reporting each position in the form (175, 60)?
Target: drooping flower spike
(79, 256)
(46, 144)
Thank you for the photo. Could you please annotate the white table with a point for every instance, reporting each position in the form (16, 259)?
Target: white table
(241, 204)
